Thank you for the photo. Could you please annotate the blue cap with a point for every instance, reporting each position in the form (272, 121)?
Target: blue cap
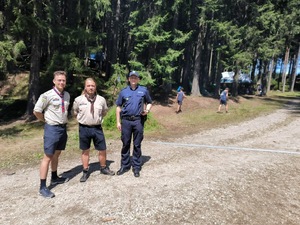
(134, 73)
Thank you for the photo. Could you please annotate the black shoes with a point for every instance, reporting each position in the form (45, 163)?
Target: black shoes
(59, 180)
(122, 170)
(136, 173)
(104, 170)
(84, 177)
(107, 171)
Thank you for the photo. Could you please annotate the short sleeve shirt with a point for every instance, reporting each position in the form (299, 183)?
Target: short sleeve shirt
(132, 101)
(82, 107)
(50, 103)
(180, 96)
(223, 96)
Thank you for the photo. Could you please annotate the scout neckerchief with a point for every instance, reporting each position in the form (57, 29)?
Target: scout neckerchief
(61, 95)
(92, 101)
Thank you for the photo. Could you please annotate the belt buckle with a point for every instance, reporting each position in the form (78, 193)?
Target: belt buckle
(132, 117)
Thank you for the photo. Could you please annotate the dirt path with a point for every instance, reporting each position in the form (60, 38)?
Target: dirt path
(241, 174)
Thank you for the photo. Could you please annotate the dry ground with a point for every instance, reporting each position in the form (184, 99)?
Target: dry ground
(244, 173)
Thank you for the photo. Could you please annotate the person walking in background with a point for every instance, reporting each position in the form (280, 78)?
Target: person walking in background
(130, 115)
(223, 100)
(52, 108)
(89, 109)
(179, 98)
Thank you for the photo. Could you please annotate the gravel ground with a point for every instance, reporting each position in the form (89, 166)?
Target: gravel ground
(241, 174)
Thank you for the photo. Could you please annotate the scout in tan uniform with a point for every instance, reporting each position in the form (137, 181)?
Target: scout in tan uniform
(89, 109)
(52, 108)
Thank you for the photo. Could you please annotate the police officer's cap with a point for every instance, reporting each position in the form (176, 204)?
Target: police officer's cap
(134, 73)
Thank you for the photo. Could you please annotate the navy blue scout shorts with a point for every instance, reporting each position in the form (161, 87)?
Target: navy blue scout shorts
(223, 102)
(87, 134)
(55, 138)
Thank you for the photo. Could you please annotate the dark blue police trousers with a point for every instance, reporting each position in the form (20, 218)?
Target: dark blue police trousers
(135, 129)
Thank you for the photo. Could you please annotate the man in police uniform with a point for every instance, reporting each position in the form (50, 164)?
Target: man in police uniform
(89, 109)
(52, 108)
(130, 115)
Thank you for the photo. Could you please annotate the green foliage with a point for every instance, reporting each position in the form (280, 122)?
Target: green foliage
(67, 62)
(181, 37)
(165, 63)
(1, 20)
(117, 81)
(109, 122)
(157, 38)
(9, 51)
(145, 76)
(151, 124)
(274, 85)
(151, 32)
(101, 7)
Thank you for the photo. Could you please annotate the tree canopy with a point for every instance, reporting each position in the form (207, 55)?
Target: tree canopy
(187, 43)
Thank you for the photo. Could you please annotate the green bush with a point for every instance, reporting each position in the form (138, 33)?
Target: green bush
(110, 122)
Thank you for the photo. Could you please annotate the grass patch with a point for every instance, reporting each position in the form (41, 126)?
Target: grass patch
(22, 143)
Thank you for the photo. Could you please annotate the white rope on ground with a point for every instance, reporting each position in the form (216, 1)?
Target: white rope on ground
(228, 148)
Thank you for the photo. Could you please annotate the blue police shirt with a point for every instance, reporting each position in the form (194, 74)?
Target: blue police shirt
(132, 101)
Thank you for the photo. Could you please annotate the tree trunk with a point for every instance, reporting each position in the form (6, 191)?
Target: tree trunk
(34, 77)
(187, 68)
(196, 72)
(286, 57)
(235, 84)
(219, 69)
(270, 74)
(294, 74)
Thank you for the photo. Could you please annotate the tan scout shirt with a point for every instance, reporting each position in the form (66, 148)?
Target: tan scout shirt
(82, 110)
(50, 103)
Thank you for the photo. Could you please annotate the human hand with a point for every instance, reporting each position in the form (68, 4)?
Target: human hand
(119, 126)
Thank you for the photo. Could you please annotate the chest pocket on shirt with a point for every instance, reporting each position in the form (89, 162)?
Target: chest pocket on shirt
(82, 108)
(56, 103)
(98, 109)
(126, 99)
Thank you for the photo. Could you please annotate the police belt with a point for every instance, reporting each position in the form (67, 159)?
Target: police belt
(91, 126)
(131, 118)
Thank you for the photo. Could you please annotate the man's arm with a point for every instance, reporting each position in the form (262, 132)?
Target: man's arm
(148, 107)
(39, 116)
(104, 112)
(118, 112)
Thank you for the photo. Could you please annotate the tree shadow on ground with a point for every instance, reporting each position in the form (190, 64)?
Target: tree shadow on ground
(289, 103)
(163, 98)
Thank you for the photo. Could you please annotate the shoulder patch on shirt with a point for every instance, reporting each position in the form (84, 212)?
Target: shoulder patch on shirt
(44, 99)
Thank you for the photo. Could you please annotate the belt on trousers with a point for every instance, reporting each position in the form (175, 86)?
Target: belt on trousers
(132, 118)
(94, 126)
(60, 125)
